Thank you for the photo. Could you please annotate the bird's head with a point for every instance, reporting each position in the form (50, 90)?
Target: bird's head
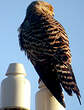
(37, 8)
(40, 7)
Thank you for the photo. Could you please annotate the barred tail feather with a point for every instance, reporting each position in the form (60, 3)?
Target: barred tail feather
(68, 81)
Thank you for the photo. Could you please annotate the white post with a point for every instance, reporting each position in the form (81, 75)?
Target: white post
(45, 100)
(15, 89)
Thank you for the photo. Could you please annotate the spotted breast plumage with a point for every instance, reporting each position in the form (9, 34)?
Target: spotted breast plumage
(46, 44)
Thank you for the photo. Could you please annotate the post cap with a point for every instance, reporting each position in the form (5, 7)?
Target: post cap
(15, 69)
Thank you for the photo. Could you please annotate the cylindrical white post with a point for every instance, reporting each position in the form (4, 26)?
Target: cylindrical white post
(15, 89)
(45, 100)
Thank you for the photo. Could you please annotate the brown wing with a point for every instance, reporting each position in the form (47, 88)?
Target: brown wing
(46, 44)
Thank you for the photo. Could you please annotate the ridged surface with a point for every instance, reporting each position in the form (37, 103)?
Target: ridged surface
(46, 44)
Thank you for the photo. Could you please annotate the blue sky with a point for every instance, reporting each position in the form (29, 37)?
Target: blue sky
(70, 13)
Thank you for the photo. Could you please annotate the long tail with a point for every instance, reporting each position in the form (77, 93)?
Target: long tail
(69, 83)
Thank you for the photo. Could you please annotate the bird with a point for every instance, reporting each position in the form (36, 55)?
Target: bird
(46, 45)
